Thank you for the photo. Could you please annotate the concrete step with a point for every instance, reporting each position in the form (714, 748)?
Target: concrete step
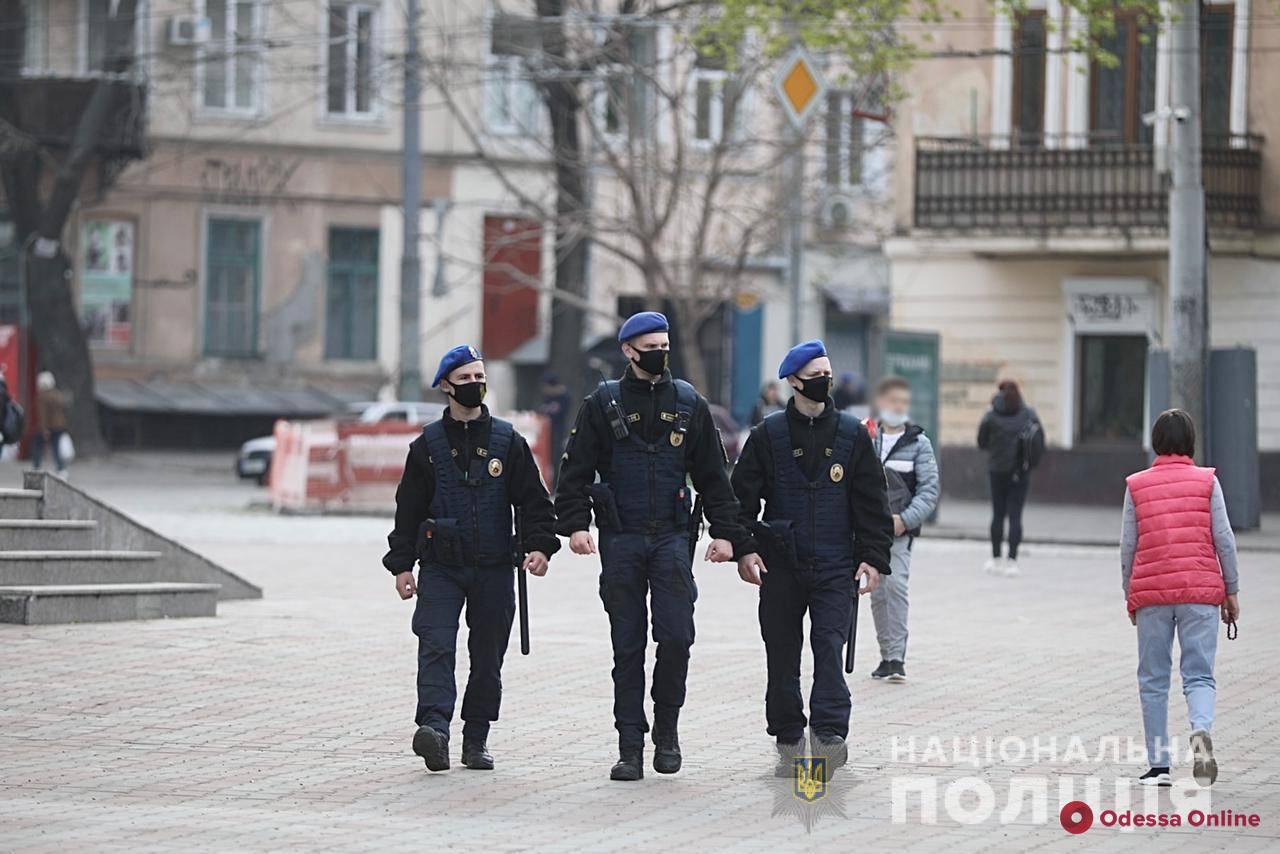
(20, 503)
(90, 566)
(46, 534)
(98, 603)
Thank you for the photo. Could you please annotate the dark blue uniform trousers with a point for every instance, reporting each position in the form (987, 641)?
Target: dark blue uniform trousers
(633, 565)
(784, 598)
(489, 596)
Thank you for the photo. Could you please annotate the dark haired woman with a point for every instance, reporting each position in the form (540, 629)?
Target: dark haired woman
(1010, 433)
(1178, 567)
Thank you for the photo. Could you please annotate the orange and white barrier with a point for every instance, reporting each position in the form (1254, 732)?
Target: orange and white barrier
(327, 466)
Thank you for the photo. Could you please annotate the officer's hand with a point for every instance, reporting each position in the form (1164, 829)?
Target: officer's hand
(535, 563)
(719, 551)
(872, 575)
(751, 569)
(580, 543)
(898, 528)
(405, 586)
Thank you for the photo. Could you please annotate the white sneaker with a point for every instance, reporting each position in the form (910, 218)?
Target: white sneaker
(993, 566)
(1011, 568)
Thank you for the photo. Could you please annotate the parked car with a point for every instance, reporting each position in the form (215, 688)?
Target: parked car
(254, 460)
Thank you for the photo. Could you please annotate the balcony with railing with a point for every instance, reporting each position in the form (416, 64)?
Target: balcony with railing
(1001, 186)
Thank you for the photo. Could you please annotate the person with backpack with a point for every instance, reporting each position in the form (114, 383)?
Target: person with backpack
(1013, 437)
(911, 475)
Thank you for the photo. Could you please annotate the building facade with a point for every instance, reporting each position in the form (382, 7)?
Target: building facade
(1032, 227)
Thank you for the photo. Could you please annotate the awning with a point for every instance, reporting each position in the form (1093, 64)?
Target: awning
(196, 398)
(537, 350)
(857, 285)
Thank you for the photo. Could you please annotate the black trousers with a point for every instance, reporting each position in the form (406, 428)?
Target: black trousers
(1008, 497)
(639, 571)
(785, 596)
(489, 596)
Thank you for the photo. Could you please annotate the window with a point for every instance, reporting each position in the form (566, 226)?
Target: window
(231, 62)
(231, 291)
(845, 142)
(510, 97)
(1121, 94)
(1028, 78)
(1112, 380)
(627, 94)
(1216, 30)
(717, 100)
(351, 306)
(351, 61)
(35, 55)
(111, 37)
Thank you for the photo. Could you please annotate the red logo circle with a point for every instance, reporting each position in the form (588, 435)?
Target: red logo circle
(1076, 817)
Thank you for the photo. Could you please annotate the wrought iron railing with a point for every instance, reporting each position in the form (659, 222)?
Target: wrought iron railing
(1004, 184)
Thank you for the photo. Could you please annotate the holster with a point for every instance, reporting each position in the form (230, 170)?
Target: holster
(777, 543)
(606, 509)
(440, 541)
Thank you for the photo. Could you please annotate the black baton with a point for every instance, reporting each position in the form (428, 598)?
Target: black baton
(522, 583)
(853, 630)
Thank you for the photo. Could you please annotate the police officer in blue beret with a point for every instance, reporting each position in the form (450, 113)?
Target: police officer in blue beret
(643, 434)
(462, 478)
(826, 526)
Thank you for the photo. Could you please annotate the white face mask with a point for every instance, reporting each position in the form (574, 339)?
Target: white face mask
(891, 418)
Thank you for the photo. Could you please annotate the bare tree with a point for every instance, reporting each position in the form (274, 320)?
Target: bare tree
(44, 178)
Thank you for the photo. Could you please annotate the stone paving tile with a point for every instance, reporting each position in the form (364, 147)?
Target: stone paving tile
(285, 723)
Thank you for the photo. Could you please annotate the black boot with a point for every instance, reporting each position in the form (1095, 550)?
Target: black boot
(475, 755)
(630, 764)
(433, 746)
(832, 747)
(788, 753)
(666, 744)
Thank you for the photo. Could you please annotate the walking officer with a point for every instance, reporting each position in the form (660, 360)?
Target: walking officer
(454, 504)
(643, 434)
(826, 526)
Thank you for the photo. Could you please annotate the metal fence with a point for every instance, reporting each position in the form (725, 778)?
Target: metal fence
(1002, 183)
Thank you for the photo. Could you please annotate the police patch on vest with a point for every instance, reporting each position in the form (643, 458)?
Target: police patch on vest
(677, 439)
(837, 473)
(495, 467)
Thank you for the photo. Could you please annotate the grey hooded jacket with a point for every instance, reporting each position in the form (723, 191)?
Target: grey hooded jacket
(913, 457)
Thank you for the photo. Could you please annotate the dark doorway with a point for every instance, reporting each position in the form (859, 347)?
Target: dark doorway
(1111, 388)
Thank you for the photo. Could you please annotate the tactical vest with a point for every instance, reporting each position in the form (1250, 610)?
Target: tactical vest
(818, 510)
(477, 501)
(647, 479)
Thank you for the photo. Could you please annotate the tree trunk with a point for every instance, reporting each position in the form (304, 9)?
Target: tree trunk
(687, 339)
(565, 355)
(61, 346)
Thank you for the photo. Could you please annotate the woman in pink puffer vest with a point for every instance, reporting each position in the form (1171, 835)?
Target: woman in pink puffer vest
(1178, 560)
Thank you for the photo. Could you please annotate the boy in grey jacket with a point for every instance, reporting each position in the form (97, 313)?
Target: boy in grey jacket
(911, 472)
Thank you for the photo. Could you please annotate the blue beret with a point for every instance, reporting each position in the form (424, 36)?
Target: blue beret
(642, 323)
(463, 354)
(799, 356)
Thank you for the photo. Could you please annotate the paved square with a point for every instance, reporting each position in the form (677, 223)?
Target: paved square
(284, 723)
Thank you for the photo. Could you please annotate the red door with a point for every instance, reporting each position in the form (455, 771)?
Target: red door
(512, 273)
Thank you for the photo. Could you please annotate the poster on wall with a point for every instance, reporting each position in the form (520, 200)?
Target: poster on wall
(106, 281)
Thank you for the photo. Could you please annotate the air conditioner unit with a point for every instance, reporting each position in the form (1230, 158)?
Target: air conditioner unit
(188, 30)
(837, 212)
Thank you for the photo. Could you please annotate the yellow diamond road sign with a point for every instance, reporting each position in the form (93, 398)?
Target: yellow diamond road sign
(800, 86)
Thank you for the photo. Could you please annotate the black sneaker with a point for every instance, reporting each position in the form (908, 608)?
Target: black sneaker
(1204, 767)
(475, 754)
(1156, 777)
(897, 673)
(883, 671)
(433, 746)
(832, 747)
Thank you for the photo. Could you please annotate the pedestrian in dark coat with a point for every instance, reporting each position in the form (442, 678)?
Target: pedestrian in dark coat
(1007, 432)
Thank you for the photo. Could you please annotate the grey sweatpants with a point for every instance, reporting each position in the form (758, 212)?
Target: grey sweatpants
(889, 602)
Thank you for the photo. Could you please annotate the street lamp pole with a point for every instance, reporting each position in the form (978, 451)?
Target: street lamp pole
(410, 381)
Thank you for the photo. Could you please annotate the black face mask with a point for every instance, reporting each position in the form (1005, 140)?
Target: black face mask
(817, 389)
(652, 362)
(469, 394)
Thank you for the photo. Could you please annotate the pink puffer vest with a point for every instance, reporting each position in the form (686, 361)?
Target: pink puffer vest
(1176, 563)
